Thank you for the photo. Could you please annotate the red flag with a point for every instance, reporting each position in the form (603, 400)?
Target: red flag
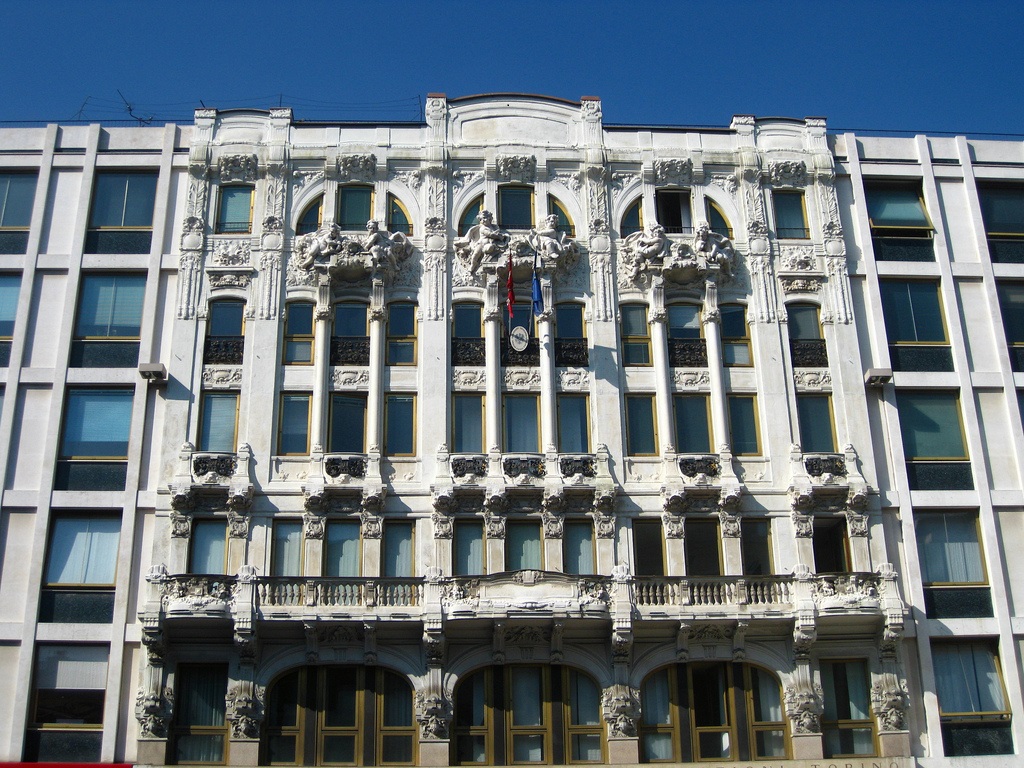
(511, 300)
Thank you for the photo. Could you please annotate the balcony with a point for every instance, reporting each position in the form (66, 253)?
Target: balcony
(469, 352)
(533, 593)
(224, 350)
(204, 472)
(687, 353)
(915, 248)
(528, 357)
(350, 350)
(828, 480)
(713, 594)
(278, 596)
(808, 353)
(572, 353)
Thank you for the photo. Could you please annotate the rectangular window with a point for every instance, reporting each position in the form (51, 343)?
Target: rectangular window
(636, 336)
(468, 346)
(342, 554)
(17, 193)
(952, 568)
(234, 216)
(355, 206)
(756, 543)
(573, 424)
(121, 220)
(972, 702)
(743, 425)
(81, 565)
(571, 347)
(648, 548)
(69, 687)
(914, 326)
(293, 435)
(225, 329)
(933, 440)
(1002, 208)
(521, 426)
(298, 334)
(817, 433)
(831, 546)
(686, 346)
(200, 728)
(523, 547)
(398, 550)
(401, 333)
(703, 548)
(847, 725)
(674, 212)
(468, 556)
(806, 345)
(348, 424)
(693, 423)
(94, 440)
(209, 545)
(735, 336)
(10, 286)
(399, 425)
(467, 423)
(578, 547)
(108, 321)
(790, 215)
(515, 207)
(641, 433)
(1011, 306)
(900, 227)
(218, 418)
(286, 552)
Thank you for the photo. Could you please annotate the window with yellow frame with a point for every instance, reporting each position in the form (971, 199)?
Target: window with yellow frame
(399, 219)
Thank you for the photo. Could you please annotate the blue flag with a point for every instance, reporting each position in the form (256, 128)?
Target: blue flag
(538, 298)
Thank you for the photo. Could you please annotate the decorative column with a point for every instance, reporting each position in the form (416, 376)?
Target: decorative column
(492, 363)
(711, 319)
(374, 397)
(548, 404)
(657, 319)
(804, 698)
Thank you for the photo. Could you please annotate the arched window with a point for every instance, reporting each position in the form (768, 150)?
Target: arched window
(470, 215)
(340, 715)
(527, 714)
(716, 218)
(693, 712)
(565, 224)
(311, 218)
(632, 219)
(399, 219)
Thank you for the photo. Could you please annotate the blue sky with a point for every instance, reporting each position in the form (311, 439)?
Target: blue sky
(937, 66)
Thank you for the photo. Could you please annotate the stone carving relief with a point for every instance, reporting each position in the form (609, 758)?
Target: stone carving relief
(237, 168)
(621, 705)
(433, 714)
(344, 378)
(231, 253)
(356, 167)
(683, 379)
(797, 258)
(673, 172)
(799, 285)
(569, 179)
(787, 173)
(487, 248)
(222, 378)
(650, 252)
(810, 379)
(573, 379)
(804, 707)
(469, 378)
(350, 259)
(522, 168)
(519, 379)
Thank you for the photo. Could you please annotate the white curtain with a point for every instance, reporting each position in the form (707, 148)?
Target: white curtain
(527, 696)
(398, 550)
(469, 549)
(208, 537)
(76, 667)
(343, 549)
(83, 550)
(967, 678)
(287, 549)
(949, 549)
(654, 699)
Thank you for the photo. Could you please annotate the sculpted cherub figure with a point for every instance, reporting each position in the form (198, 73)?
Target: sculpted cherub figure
(482, 241)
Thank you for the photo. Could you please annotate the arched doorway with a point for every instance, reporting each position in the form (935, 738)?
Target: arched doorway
(339, 715)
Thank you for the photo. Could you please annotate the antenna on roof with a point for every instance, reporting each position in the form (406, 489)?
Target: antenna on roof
(128, 108)
(81, 109)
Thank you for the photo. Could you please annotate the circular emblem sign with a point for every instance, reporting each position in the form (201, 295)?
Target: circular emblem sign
(519, 338)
